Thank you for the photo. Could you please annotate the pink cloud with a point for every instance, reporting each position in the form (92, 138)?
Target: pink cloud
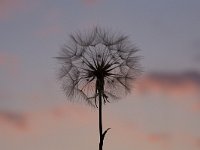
(170, 84)
(158, 138)
(196, 107)
(70, 115)
(13, 122)
(72, 118)
(178, 140)
(198, 142)
(35, 122)
(77, 113)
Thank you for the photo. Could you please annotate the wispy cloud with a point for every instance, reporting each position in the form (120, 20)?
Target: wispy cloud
(10, 121)
(158, 138)
(174, 84)
(32, 121)
(73, 117)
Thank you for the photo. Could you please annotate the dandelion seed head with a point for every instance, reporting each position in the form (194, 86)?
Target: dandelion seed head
(94, 58)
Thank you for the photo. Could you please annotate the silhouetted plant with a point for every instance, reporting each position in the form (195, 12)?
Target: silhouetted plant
(98, 67)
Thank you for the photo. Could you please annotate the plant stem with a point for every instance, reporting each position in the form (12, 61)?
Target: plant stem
(100, 123)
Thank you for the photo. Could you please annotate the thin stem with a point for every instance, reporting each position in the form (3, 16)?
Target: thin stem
(100, 87)
(100, 122)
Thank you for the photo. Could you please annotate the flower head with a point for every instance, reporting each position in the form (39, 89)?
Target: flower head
(97, 62)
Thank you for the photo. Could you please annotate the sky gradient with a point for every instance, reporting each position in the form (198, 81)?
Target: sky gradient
(161, 113)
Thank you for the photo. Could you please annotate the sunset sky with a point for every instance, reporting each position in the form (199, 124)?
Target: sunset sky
(163, 111)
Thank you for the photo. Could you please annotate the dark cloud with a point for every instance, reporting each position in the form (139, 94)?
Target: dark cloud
(186, 83)
(15, 120)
